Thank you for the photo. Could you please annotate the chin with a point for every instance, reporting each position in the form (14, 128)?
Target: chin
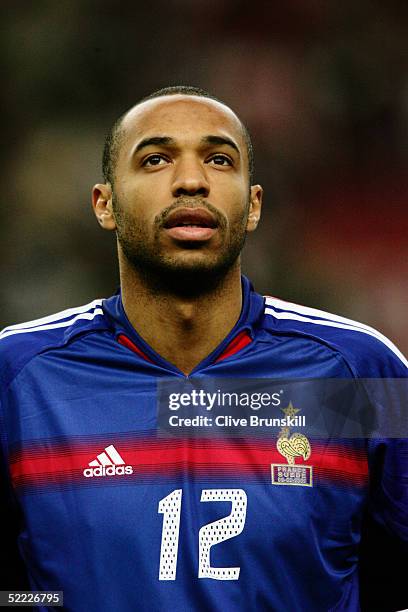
(193, 264)
(184, 272)
(186, 278)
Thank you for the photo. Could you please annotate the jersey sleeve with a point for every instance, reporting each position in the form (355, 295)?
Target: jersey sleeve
(388, 502)
(388, 445)
(383, 556)
(13, 574)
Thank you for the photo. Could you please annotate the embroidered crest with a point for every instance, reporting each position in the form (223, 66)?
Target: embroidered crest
(291, 447)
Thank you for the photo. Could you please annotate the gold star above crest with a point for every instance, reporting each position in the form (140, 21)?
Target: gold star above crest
(290, 411)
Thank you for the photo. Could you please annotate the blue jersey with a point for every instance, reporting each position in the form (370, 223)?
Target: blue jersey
(122, 515)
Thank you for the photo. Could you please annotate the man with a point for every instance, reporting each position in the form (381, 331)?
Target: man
(122, 503)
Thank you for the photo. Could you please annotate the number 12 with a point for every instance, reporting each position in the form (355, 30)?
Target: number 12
(209, 535)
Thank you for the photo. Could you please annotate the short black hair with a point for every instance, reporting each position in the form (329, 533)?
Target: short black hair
(114, 138)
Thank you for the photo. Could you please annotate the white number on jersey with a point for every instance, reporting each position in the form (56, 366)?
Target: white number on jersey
(221, 530)
(209, 535)
(170, 506)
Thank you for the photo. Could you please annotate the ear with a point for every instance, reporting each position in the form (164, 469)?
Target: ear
(102, 205)
(255, 206)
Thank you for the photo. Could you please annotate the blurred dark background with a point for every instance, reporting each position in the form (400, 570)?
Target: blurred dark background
(322, 86)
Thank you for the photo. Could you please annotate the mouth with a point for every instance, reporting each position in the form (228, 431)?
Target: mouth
(191, 224)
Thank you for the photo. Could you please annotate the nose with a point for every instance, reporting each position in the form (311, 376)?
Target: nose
(190, 179)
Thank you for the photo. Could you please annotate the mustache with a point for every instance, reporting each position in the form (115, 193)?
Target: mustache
(186, 202)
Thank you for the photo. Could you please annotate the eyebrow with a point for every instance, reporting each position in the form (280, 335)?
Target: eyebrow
(154, 140)
(220, 140)
(167, 140)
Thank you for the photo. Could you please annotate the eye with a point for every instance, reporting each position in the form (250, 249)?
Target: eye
(220, 160)
(154, 160)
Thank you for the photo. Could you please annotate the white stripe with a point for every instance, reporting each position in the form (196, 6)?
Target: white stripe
(104, 459)
(94, 463)
(363, 329)
(54, 317)
(87, 315)
(114, 455)
(314, 312)
(306, 310)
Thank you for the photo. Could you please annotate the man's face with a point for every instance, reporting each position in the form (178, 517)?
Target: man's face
(181, 199)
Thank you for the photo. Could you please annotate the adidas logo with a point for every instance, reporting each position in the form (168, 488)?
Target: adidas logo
(108, 463)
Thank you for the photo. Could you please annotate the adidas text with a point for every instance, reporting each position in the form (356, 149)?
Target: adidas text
(110, 470)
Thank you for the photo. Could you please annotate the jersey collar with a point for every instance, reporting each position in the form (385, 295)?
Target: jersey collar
(239, 337)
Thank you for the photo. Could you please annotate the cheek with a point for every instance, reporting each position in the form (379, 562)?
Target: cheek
(234, 194)
(238, 209)
(135, 208)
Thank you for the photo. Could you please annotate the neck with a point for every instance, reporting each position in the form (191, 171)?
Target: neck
(182, 327)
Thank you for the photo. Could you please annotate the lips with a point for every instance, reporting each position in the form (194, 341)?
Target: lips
(197, 217)
(191, 224)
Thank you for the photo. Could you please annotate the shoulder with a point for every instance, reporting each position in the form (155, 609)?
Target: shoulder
(21, 342)
(367, 351)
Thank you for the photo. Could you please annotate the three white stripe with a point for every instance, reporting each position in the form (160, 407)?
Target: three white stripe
(55, 321)
(327, 320)
(300, 314)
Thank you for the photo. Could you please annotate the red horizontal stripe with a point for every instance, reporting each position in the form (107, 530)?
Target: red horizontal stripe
(163, 457)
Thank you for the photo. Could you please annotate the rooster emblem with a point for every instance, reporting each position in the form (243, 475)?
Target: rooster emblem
(296, 445)
(292, 446)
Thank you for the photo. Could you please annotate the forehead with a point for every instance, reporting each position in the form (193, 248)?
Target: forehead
(180, 116)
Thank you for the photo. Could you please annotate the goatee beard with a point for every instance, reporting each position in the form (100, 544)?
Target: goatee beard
(178, 280)
(166, 275)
